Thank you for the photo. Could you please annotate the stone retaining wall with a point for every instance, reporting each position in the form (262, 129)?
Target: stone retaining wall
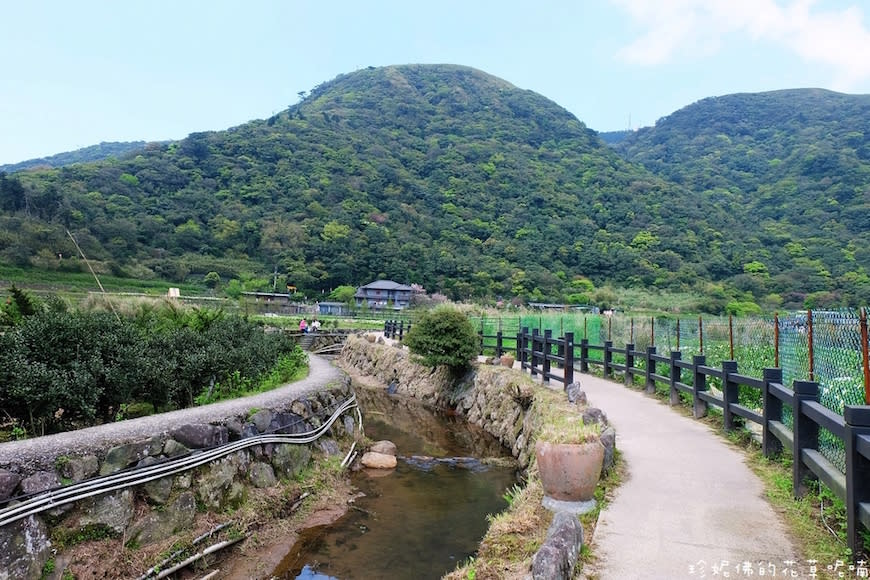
(491, 397)
(160, 508)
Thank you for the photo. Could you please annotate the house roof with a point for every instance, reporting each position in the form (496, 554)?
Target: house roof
(385, 285)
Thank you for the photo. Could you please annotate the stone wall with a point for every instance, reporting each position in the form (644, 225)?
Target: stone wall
(155, 510)
(492, 397)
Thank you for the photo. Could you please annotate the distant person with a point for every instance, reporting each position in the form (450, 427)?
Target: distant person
(303, 325)
(315, 326)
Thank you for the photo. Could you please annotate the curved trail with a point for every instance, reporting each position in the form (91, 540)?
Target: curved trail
(689, 506)
(34, 451)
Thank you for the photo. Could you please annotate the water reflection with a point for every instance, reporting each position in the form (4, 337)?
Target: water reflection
(419, 520)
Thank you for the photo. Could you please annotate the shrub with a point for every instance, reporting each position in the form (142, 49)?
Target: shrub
(443, 336)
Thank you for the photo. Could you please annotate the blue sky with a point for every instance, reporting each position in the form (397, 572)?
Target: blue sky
(77, 73)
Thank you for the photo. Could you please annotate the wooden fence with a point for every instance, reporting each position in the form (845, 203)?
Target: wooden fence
(396, 329)
(692, 378)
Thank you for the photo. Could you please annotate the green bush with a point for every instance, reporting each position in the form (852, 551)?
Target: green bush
(443, 336)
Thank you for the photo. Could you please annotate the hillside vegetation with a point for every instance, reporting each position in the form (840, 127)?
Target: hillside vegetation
(92, 153)
(433, 174)
(794, 165)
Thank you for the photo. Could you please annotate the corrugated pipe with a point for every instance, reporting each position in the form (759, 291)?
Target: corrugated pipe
(139, 475)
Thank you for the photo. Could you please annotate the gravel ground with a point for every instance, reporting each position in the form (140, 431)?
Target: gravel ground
(34, 451)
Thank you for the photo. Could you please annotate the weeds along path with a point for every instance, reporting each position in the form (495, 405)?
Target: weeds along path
(688, 503)
(33, 451)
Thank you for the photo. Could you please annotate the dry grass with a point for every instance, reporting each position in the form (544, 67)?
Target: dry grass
(266, 516)
(558, 421)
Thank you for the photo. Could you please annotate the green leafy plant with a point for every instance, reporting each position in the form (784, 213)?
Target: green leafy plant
(443, 336)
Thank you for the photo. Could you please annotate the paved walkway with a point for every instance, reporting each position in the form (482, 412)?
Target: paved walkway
(689, 506)
(34, 452)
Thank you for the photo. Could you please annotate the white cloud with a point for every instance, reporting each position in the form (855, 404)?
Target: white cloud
(674, 29)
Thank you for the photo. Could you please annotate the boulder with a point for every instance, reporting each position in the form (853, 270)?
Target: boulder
(288, 423)
(234, 427)
(558, 556)
(79, 468)
(39, 481)
(289, 460)
(378, 460)
(215, 481)
(24, 549)
(249, 430)
(158, 490)
(200, 435)
(8, 482)
(112, 510)
(173, 448)
(385, 447)
(349, 425)
(261, 420)
(123, 456)
(159, 525)
(594, 415)
(262, 475)
(608, 439)
(576, 395)
(328, 446)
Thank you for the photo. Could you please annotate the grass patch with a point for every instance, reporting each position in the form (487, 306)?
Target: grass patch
(557, 421)
(289, 368)
(63, 538)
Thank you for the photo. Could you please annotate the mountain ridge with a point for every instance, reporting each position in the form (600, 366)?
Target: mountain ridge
(436, 174)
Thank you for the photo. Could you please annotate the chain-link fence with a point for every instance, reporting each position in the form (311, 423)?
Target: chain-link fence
(821, 346)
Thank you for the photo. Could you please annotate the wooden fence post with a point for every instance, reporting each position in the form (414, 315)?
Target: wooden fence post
(772, 410)
(730, 393)
(534, 355)
(674, 397)
(806, 434)
(629, 364)
(569, 358)
(584, 355)
(699, 384)
(857, 419)
(522, 347)
(499, 344)
(402, 330)
(545, 349)
(650, 385)
(608, 359)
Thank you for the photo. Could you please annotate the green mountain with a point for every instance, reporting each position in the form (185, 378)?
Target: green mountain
(433, 174)
(794, 165)
(93, 153)
(440, 175)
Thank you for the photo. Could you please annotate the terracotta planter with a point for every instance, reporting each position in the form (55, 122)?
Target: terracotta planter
(507, 360)
(569, 471)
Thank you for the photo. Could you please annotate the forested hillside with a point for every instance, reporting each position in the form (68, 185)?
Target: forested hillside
(83, 155)
(795, 166)
(433, 174)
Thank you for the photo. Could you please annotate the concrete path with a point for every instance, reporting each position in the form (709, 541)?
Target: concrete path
(33, 452)
(689, 506)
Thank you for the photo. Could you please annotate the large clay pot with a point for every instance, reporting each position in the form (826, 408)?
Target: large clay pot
(569, 471)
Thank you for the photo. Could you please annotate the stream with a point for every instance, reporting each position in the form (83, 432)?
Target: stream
(419, 520)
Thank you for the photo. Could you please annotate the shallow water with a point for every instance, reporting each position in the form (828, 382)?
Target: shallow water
(419, 520)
